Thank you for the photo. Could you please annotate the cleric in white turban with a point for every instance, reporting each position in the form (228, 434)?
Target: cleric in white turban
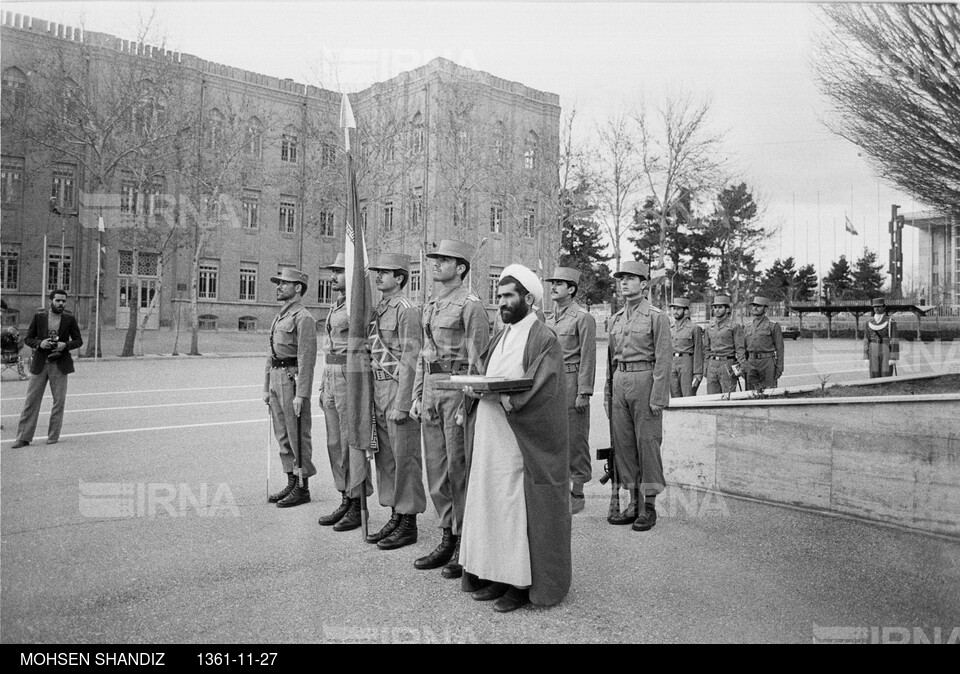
(515, 544)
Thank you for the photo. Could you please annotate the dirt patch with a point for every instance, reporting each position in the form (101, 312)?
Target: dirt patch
(948, 383)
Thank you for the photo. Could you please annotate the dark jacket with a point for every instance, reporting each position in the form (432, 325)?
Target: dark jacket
(69, 333)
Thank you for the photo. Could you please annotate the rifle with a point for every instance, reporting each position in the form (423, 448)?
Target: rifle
(610, 470)
(298, 464)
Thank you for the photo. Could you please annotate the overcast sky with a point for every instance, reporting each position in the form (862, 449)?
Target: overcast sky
(751, 60)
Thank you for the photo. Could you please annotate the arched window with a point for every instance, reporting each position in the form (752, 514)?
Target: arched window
(416, 137)
(254, 144)
(530, 151)
(72, 100)
(289, 145)
(328, 150)
(14, 90)
(215, 129)
(499, 143)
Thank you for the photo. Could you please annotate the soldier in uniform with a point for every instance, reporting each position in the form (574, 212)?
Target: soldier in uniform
(333, 400)
(723, 348)
(456, 333)
(687, 370)
(637, 389)
(287, 385)
(764, 345)
(881, 346)
(576, 329)
(395, 340)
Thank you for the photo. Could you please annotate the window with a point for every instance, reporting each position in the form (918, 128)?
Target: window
(326, 223)
(62, 194)
(499, 143)
(11, 181)
(416, 208)
(215, 129)
(128, 197)
(328, 152)
(391, 150)
(492, 285)
(14, 90)
(147, 264)
(288, 146)
(59, 268)
(496, 219)
(529, 222)
(143, 200)
(248, 282)
(460, 213)
(288, 215)
(388, 215)
(415, 281)
(247, 324)
(251, 209)
(207, 321)
(207, 289)
(10, 269)
(254, 140)
(530, 151)
(325, 290)
(416, 134)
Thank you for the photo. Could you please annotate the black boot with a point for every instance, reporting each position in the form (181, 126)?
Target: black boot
(291, 482)
(297, 495)
(442, 554)
(387, 529)
(647, 519)
(404, 534)
(453, 569)
(351, 519)
(628, 516)
(336, 515)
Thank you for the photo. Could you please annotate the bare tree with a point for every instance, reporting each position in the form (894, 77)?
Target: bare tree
(618, 179)
(891, 71)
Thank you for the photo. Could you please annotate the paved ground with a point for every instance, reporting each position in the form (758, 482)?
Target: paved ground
(147, 523)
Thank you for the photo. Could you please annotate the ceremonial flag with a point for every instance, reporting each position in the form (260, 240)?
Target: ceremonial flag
(361, 431)
(849, 226)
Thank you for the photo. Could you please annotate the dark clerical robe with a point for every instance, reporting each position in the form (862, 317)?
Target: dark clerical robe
(538, 422)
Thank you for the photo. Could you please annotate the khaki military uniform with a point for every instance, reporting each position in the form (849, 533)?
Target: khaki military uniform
(764, 346)
(395, 342)
(881, 345)
(723, 347)
(576, 329)
(456, 333)
(289, 373)
(687, 340)
(639, 357)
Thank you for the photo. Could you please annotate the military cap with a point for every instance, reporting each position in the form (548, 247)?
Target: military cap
(339, 263)
(633, 267)
(568, 274)
(290, 276)
(391, 262)
(721, 299)
(681, 302)
(453, 248)
(878, 302)
(761, 301)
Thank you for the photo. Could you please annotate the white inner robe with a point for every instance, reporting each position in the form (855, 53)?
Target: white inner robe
(494, 544)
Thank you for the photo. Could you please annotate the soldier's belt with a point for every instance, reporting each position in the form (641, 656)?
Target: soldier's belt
(447, 367)
(721, 357)
(677, 354)
(381, 375)
(571, 367)
(335, 359)
(761, 356)
(635, 366)
(283, 362)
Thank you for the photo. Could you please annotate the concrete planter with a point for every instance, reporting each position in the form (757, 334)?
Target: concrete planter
(891, 459)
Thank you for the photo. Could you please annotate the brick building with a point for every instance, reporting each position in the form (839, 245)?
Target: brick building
(212, 177)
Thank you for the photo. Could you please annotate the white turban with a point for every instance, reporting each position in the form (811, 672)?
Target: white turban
(527, 279)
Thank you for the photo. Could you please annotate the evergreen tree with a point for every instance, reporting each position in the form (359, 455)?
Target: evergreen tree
(867, 276)
(582, 248)
(779, 281)
(838, 282)
(734, 237)
(806, 284)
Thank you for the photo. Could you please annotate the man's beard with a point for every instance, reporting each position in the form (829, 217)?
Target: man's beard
(56, 309)
(510, 316)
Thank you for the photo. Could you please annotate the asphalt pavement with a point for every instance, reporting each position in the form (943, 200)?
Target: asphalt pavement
(147, 522)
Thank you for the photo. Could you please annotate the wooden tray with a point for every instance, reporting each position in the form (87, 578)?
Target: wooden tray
(485, 384)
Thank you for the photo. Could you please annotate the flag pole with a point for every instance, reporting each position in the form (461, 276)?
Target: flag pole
(96, 301)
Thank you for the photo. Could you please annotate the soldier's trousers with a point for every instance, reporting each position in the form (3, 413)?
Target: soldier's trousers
(637, 433)
(398, 458)
(31, 406)
(761, 372)
(334, 404)
(578, 430)
(681, 376)
(720, 377)
(444, 452)
(879, 356)
(285, 422)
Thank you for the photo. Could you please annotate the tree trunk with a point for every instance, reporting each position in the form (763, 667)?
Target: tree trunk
(130, 338)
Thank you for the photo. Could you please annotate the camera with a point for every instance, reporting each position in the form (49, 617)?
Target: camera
(53, 355)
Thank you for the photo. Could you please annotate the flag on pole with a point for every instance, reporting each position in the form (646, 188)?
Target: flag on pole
(849, 225)
(100, 227)
(361, 430)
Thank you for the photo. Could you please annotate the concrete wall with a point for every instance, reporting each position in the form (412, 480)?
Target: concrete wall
(889, 459)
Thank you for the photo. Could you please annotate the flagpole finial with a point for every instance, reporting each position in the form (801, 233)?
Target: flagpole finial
(347, 121)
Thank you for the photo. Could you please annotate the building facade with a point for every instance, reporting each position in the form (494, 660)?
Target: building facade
(939, 258)
(191, 182)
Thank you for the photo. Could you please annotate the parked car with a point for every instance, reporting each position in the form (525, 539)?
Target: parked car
(790, 333)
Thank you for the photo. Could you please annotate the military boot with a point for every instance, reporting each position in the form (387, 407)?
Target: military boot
(387, 529)
(404, 534)
(442, 554)
(453, 569)
(291, 482)
(647, 519)
(628, 516)
(336, 515)
(297, 495)
(351, 519)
